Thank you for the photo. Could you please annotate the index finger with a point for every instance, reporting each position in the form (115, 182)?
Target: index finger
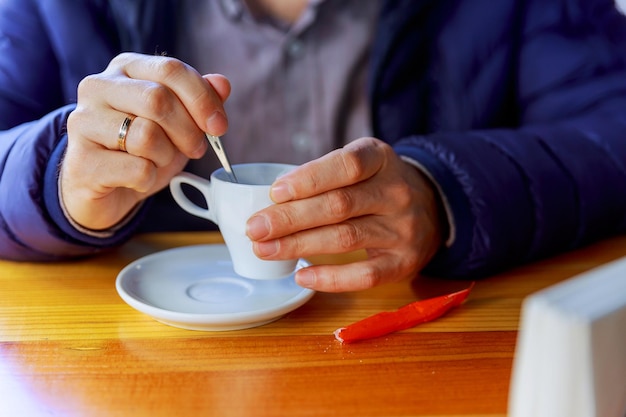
(195, 93)
(355, 162)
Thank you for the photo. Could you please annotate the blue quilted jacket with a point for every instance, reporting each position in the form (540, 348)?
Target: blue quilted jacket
(517, 108)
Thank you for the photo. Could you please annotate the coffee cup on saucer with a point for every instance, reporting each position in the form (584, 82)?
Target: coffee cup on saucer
(230, 204)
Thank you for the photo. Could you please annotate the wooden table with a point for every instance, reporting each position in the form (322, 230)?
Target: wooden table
(69, 346)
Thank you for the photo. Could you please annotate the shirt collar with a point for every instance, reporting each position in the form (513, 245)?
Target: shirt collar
(234, 9)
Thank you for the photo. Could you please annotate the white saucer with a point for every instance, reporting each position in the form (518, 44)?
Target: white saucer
(195, 288)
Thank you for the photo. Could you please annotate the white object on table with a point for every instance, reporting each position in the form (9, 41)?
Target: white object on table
(570, 358)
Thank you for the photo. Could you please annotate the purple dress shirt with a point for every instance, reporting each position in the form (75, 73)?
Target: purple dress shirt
(298, 91)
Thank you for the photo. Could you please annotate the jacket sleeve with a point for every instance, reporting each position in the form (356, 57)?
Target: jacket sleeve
(558, 180)
(33, 81)
(32, 225)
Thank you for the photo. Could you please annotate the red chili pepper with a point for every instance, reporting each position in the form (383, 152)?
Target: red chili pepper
(405, 317)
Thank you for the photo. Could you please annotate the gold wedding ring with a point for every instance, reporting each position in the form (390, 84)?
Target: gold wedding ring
(121, 136)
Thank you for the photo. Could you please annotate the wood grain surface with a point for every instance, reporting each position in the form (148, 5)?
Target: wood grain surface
(69, 346)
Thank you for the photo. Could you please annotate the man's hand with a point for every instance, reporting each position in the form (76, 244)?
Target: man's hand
(173, 105)
(362, 196)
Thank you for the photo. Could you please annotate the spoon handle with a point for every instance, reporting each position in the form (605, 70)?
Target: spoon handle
(216, 144)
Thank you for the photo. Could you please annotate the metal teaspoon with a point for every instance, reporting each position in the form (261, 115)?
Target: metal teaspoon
(216, 144)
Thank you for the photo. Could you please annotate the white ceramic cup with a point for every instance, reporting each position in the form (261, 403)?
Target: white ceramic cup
(230, 205)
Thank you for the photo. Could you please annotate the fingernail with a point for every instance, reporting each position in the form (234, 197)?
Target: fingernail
(257, 227)
(281, 192)
(264, 249)
(305, 278)
(217, 123)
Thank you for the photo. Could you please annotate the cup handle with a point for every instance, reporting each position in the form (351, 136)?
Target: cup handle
(199, 183)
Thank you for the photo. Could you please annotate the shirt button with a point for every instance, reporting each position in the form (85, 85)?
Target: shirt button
(295, 48)
(300, 142)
